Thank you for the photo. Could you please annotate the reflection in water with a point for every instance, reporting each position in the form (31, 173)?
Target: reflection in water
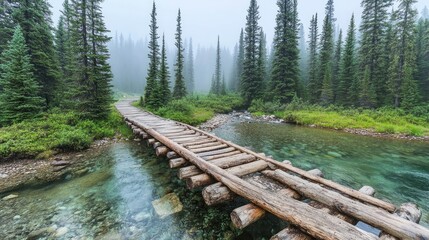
(397, 169)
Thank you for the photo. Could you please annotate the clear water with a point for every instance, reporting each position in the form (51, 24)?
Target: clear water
(397, 169)
(113, 201)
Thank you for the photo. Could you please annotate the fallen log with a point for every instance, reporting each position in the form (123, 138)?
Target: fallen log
(374, 216)
(205, 179)
(150, 141)
(157, 144)
(291, 233)
(408, 211)
(348, 191)
(317, 223)
(161, 151)
(244, 216)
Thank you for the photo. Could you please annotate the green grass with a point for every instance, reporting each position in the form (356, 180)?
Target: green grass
(380, 121)
(56, 132)
(198, 109)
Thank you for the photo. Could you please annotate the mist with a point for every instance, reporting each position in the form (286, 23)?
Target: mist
(203, 21)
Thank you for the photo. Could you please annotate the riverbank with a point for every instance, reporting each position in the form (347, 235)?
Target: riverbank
(22, 173)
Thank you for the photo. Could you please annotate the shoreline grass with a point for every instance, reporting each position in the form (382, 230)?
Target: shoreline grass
(57, 132)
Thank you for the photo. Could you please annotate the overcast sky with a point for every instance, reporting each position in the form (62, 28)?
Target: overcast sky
(203, 20)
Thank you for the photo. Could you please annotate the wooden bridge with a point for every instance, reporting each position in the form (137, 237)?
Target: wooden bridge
(316, 208)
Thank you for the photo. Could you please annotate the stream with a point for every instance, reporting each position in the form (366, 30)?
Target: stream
(114, 200)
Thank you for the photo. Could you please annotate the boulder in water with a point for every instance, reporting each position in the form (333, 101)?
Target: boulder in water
(9, 197)
(167, 205)
(334, 154)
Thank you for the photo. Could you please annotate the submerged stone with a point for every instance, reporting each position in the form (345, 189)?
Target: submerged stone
(61, 231)
(9, 197)
(334, 154)
(141, 217)
(167, 205)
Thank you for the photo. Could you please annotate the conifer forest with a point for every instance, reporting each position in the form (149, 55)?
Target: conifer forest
(281, 106)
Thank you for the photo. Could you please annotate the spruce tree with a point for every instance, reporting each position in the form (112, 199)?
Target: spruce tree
(6, 22)
(313, 79)
(179, 85)
(217, 82)
(164, 77)
(19, 98)
(327, 94)
(326, 54)
(303, 55)
(152, 73)
(367, 94)
(251, 83)
(100, 74)
(238, 65)
(336, 65)
(373, 31)
(262, 60)
(223, 86)
(404, 48)
(422, 61)
(285, 72)
(347, 73)
(190, 81)
(34, 17)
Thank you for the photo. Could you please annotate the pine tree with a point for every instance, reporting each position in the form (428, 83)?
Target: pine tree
(238, 67)
(326, 53)
(347, 73)
(410, 92)
(217, 82)
(251, 83)
(373, 31)
(34, 17)
(367, 95)
(164, 77)
(405, 48)
(262, 60)
(422, 61)
(152, 74)
(336, 65)
(100, 74)
(60, 45)
(285, 72)
(303, 55)
(190, 81)
(179, 85)
(19, 98)
(6, 22)
(223, 86)
(313, 79)
(327, 94)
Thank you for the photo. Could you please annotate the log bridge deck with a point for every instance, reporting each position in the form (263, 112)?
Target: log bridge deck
(316, 208)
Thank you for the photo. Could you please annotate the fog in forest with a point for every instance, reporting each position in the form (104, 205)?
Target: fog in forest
(202, 21)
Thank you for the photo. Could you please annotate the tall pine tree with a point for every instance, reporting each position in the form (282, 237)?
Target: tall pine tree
(348, 67)
(19, 98)
(422, 61)
(34, 17)
(313, 79)
(217, 81)
(251, 82)
(190, 81)
(179, 84)
(285, 72)
(336, 65)
(6, 22)
(164, 77)
(238, 65)
(373, 31)
(326, 55)
(150, 97)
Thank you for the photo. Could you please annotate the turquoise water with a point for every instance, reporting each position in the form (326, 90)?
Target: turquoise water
(114, 200)
(397, 169)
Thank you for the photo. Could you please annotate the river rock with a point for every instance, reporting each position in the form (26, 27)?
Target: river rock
(141, 217)
(60, 163)
(61, 231)
(9, 197)
(37, 233)
(334, 154)
(3, 175)
(16, 217)
(167, 205)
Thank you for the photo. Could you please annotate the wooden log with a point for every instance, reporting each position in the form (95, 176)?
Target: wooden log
(314, 222)
(144, 135)
(161, 151)
(225, 162)
(207, 140)
(244, 216)
(186, 132)
(291, 233)
(151, 141)
(189, 140)
(172, 154)
(180, 162)
(192, 136)
(216, 194)
(210, 144)
(216, 152)
(348, 191)
(157, 144)
(374, 216)
(217, 156)
(408, 211)
(242, 170)
(208, 149)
